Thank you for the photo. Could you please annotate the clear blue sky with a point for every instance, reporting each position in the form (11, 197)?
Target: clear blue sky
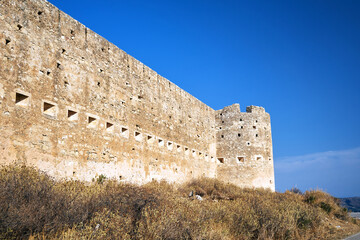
(298, 59)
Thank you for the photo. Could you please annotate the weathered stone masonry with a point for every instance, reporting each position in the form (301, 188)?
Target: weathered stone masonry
(76, 106)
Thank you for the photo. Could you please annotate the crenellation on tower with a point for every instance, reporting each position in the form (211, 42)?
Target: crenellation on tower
(76, 106)
(255, 109)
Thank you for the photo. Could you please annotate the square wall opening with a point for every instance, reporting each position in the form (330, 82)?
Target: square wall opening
(124, 132)
(240, 159)
(49, 109)
(221, 160)
(109, 127)
(186, 150)
(72, 115)
(170, 145)
(92, 121)
(149, 139)
(22, 99)
(161, 142)
(193, 153)
(138, 136)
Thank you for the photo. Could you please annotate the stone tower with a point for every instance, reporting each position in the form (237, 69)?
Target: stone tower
(244, 147)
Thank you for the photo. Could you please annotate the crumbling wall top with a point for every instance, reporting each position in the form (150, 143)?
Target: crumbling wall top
(255, 109)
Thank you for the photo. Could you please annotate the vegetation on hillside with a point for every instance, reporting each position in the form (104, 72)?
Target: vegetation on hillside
(34, 205)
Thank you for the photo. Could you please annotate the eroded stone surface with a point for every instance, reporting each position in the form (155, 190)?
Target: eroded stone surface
(76, 106)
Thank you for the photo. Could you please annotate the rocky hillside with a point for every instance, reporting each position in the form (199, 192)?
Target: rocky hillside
(351, 203)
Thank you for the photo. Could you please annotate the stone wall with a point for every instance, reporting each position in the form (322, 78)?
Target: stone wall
(76, 106)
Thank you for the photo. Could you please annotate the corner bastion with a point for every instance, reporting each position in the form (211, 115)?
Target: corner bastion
(76, 106)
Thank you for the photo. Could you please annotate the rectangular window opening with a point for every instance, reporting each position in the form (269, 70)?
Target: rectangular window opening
(72, 115)
(220, 160)
(258, 158)
(49, 109)
(22, 100)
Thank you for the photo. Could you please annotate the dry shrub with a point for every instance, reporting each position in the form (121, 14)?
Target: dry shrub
(327, 203)
(32, 204)
(211, 189)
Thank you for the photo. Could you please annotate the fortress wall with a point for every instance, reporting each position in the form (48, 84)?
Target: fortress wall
(76, 106)
(244, 146)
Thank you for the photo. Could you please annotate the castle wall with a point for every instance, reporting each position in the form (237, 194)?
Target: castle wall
(76, 106)
(143, 126)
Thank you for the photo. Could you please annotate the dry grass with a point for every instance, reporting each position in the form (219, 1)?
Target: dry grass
(33, 205)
